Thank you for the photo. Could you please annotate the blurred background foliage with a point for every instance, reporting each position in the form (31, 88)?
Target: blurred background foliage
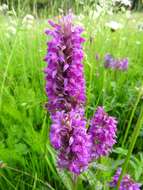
(53, 6)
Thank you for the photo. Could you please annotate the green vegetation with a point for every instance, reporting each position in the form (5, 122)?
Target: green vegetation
(27, 158)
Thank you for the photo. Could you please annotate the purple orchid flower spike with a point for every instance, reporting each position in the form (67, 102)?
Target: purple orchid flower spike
(65, 86)
(117, 64)
(127, 182)
(109, 61)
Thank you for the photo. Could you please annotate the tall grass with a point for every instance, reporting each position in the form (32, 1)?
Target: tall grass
(24, 123)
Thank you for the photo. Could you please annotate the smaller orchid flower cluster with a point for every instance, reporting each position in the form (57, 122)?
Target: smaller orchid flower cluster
(127, 182)
(117, 64)
(103, 133)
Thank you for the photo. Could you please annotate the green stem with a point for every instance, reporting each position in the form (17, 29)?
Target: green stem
(132, 144)
(75, 179)
(115, 75)
(131, 118)
(104, 85)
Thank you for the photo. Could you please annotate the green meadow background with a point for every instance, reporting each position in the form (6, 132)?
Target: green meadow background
(27, 160)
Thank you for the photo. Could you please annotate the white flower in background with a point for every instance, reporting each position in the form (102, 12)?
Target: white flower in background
(11, 30)
(113, 25)
(3, 8)
(126, 3)
(123, 2)
(28, 18)
(10, 27)
(28, 21)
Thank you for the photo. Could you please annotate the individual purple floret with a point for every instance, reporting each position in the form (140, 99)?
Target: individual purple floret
(65, 85)
(69, 137)
(126, 184)
(117, 64)
(102, 132)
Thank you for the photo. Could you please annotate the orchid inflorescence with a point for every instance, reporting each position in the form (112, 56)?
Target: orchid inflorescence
(77, 146)
(116, 64)
(127, 183)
